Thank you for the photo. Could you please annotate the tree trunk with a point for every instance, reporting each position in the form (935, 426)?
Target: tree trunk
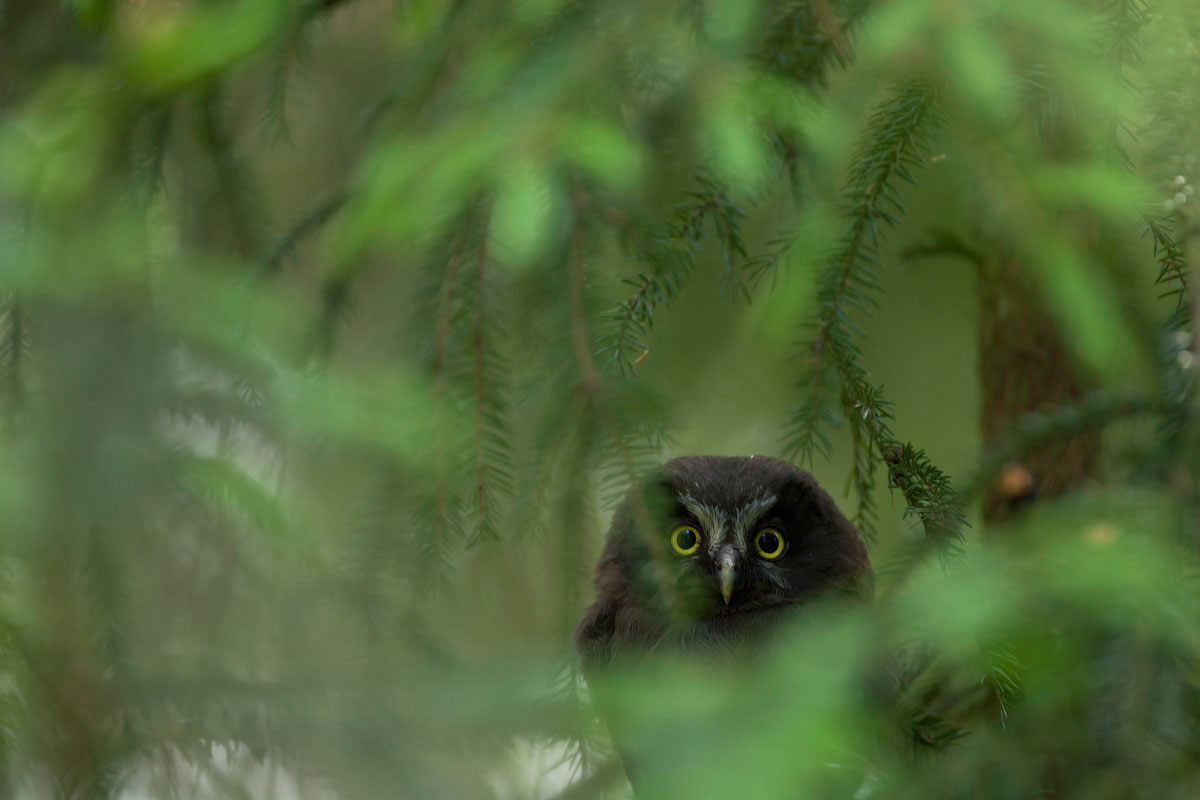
(1025, 367)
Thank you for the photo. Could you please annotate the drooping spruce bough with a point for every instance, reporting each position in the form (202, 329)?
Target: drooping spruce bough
(331, 330)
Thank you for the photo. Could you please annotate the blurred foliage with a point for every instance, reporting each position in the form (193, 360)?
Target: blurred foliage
(331, 330)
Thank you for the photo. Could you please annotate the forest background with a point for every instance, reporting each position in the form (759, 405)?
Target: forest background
(333, 330)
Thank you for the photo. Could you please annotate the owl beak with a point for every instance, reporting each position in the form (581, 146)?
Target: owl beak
(727, 574)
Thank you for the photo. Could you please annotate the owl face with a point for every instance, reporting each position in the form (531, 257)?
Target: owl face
(705, 560)
(737, 535)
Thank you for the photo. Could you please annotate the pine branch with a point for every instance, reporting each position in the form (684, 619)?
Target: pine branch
(898, 140)
(308, 225)
(808, 38)
(442, 524)
(492, 440)
(290, 50)
(150, 148)
(336, 309)
(201, 402)
(1172, 262)
(1121, 35)
(864, 442)
(16, 346)
(929, 495)
(1003, 674)
(671, 255)
(225, 488)
(1122, 29)
(440, 530)
(803, 42)
(928, 492)
(108, 600)
(232, 186)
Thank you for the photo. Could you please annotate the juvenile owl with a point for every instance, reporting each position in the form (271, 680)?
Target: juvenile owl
(704, 560)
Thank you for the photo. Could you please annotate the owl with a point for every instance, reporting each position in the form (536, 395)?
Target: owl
(704, 560)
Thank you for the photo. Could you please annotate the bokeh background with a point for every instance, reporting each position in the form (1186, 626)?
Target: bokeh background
(333, 331)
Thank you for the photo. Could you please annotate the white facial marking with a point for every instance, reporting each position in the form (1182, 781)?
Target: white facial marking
(748, 515)
(711, 519)
(717, 525)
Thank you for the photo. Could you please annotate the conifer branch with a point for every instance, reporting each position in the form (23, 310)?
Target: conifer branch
(336, 308)
(1172, 262)
(222, 484)
(671, 255)
(15, 348)
(493, 463)
(897, 141)
(291, 48)
(308, 225)
(1122, 35)
(929, 495)
(446, 523)
(803, 43)
(809, 37)
(153, 139)
(232, 186)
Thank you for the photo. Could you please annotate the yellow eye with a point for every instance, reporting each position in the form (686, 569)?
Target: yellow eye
(685, 540)
(770, 543)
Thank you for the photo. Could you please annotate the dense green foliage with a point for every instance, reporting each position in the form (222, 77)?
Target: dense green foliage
(333, 329)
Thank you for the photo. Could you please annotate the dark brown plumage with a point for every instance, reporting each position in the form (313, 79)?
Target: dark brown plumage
(705, 558)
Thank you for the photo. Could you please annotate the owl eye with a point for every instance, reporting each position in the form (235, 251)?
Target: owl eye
(770, 543)
(685, 540)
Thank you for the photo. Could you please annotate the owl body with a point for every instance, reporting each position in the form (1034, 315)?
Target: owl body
(703, 562)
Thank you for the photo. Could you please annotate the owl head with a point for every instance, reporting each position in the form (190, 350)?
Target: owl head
(716, 538)
(705, 560)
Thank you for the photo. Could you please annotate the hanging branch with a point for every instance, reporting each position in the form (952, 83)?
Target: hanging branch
(671, 255)
(1172, 263)
(898, 140)
(441, 522)
(336, 308)
(929, 495)
(308, 225)
(928, 491)
(807, 39)
(1121, 33)
(1122, 30)
(492, 439)
(15, 347)
(803, 43)
(291, 49)
(232, 185)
